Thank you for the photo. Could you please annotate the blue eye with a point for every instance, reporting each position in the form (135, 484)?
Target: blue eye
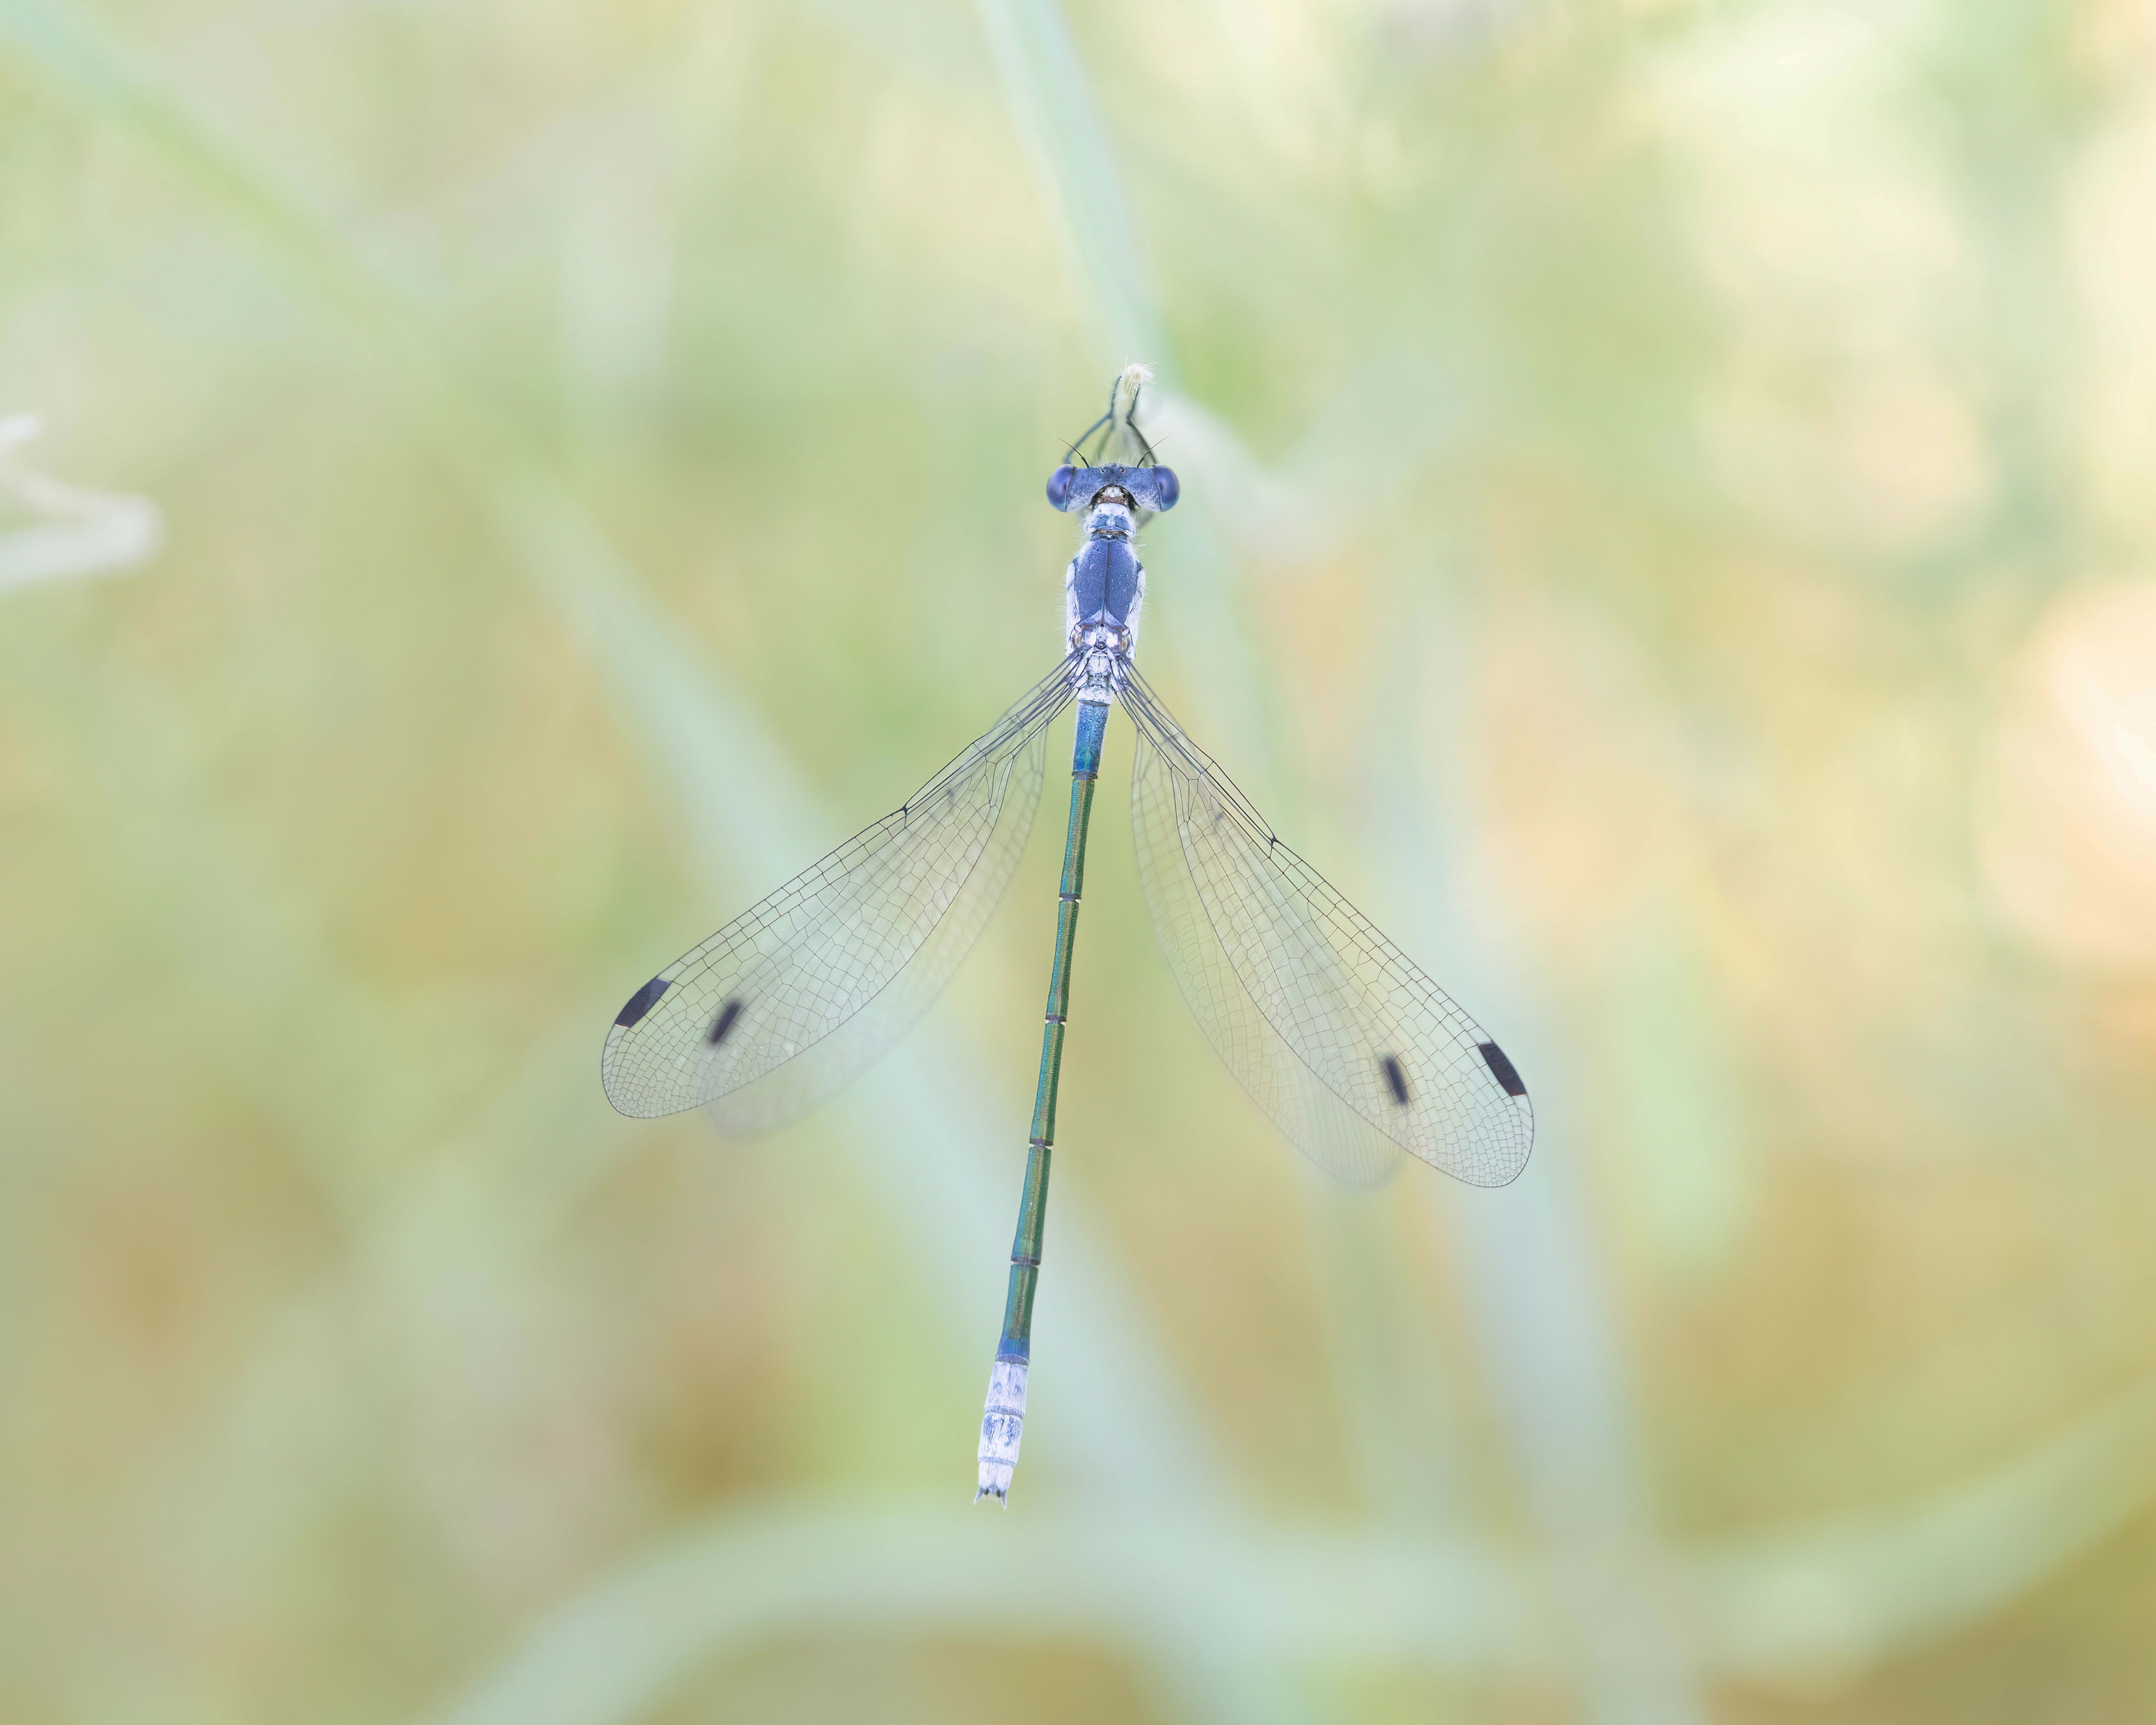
(1059, 486)
(1164, 485)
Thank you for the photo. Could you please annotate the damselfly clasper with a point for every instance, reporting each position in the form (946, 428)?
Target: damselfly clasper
(1355, 1054)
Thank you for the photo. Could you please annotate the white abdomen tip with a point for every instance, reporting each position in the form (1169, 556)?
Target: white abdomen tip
(1002, 1422)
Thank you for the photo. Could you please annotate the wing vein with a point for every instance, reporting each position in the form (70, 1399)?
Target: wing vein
(1339, 1037)
(817, 979)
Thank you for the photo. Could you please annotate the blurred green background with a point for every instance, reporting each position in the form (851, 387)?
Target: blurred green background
(1672, 496)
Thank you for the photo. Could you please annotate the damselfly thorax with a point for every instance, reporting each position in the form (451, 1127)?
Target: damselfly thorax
(1102, 654)
(1104, 587)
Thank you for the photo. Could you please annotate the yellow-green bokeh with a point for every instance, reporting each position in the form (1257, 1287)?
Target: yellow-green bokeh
(1672, 532)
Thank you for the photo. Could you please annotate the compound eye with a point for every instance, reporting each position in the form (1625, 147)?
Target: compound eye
(1164, 485)
(1059, 486)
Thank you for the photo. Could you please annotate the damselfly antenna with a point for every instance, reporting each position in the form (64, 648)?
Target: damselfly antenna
(1078, 444)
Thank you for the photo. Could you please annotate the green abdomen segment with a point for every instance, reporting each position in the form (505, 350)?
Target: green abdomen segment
(1003, 1419)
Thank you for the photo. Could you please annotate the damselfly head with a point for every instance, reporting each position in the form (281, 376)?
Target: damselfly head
(1076, 488)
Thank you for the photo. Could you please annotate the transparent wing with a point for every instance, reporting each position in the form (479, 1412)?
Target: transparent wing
(1354, 1053)
(793, 998)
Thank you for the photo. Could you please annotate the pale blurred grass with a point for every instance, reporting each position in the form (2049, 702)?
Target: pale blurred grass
(1670, 532)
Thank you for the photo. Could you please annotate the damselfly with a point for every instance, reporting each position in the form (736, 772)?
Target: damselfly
(1353, 1050)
